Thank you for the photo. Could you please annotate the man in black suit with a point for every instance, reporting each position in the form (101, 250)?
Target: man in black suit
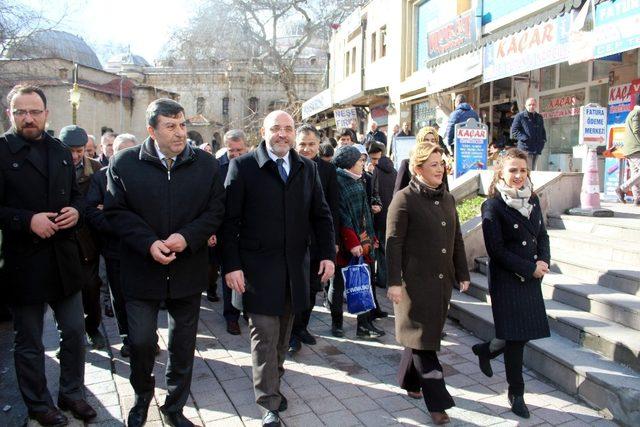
(40, 206)
(308, 145)
(164, 226)
(274, 201)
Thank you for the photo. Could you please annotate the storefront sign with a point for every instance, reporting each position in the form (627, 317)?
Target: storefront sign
(563, 105)
(344, 116)
(593, 125)
(451, 36)
(536, 47)
(454, 72)
(471, 142)
(620, 101)
(616, 27)
(318, 103)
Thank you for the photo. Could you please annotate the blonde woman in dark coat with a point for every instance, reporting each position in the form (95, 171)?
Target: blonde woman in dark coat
(425, 256)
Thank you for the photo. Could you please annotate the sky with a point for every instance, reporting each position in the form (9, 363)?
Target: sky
(144, 25)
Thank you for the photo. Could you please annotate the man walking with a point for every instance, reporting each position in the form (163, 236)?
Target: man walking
(528, 130)
(274, 201)
(164, 226)
(76, 139)
(39, 209)
(461, 114)
(631, 149)
(106, 145)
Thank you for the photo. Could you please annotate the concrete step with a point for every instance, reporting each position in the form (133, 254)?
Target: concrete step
(604, 302)
(617, 342)
(590, 268)
(622, 227)
(602, 383)
(627, 252)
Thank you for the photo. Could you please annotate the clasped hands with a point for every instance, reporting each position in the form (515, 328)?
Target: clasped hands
(164, 251)
(46, 224)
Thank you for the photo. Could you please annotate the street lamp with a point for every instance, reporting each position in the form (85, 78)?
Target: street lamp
(74, 96)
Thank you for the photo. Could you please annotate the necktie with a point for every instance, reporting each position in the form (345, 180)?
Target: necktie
(281, 170)
(168, 162)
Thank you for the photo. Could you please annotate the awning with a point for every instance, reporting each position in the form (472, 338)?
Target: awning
(365, 98)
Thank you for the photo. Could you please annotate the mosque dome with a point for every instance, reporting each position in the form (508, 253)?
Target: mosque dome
(55, 44)
(128, 59)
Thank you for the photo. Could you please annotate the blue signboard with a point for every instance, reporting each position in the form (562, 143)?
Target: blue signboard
(471, 144)
(616, 27)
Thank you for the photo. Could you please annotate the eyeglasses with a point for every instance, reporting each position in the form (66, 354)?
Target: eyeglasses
(23, 113)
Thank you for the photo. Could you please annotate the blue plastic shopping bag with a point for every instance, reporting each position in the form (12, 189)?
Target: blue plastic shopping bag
(357, 285)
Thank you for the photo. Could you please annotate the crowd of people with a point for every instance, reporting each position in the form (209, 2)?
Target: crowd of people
(275, 223)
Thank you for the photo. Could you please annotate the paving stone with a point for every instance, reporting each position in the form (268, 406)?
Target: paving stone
(340, 419)
(376, 418)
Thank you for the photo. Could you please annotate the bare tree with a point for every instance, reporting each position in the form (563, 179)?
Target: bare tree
(271, 34)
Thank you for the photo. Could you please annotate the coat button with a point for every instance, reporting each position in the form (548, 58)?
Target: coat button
(62, 192)
(524, 243)
(436, 203)
(535, 257)
(444, 251)
(522, 279)
(440, 276)
(14, 165)
(444, 224)
(515, 226)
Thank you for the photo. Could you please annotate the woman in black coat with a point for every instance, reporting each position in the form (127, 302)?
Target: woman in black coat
(518, 247)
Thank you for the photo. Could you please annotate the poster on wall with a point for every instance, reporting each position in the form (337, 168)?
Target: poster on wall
(452, 35)
(471, 143)
(344, 116)
(402, 146)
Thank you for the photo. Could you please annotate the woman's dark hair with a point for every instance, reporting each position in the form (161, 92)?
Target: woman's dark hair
(326, 150)
(333, 142)
(503, 156)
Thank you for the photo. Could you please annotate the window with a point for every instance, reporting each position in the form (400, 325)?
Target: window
(225, 106)
(200, 105)
(548, 78)
(353, 60)
(253, 105)
(485, 93)
(573, 74)
(374, 46)
(347, 62)
(383, 41)
(502, 89)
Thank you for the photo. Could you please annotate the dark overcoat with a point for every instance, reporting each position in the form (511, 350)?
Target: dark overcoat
(425, 251)
(37, 270)
(514, 244)
(109, 240)
(528, 129)
(145, 203)
(88, 240)
(267, 226)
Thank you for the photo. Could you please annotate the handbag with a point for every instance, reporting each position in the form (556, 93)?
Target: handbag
(357, 286)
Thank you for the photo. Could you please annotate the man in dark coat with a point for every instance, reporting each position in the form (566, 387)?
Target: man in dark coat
(528, 130)
(76, 139)
(274, 201)
(40, 206)
(109, 240)
(461, 114)
(106, 145)
(308, 145)
(164, 226)
(384, 176)
(375, 134)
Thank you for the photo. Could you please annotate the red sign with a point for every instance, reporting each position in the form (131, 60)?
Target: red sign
(456, 33)
(471, 133)
(526, 40)
(565, 105)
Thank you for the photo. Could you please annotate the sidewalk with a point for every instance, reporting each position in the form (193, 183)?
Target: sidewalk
(338, 382)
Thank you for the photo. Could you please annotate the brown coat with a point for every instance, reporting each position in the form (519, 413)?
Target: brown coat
(425, 252)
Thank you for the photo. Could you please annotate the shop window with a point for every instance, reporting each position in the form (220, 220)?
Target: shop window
(502, 89)
(485, 93)
(601, 69)
(548, 78)
(573, 74)
(422, 114)
(383, 41)
(599, 94)
(374, 46)
(560, 112)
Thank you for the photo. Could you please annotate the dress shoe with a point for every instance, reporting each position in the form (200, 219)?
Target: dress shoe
(79, 408)
(518, 406)
(96, 340)
(52, 417)
(374, 328)
(379, 314)
(483, 359)
(284, 404)
(213, 297)
(365, 332)
(414, 394)
(271, 419)
(233, 327)
(621, 195)
(337, 331)
(294, 344)
(440, 418)
(138, 414)
(305, 337)
(175, 419)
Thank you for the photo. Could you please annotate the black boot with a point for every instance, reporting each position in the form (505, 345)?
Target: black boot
(484, 357)
(518, 406)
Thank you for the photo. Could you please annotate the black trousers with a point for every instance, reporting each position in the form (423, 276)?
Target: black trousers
(421, 369)
(91, 297)
(183, 317)
(513, 355)
(214, 266)
(335, 297)
(117, 297)
(28, 323)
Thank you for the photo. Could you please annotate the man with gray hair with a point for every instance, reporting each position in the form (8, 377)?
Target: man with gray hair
(375, 134)
(163, 226)
(90, 149)
(528, 130)
(106, 146)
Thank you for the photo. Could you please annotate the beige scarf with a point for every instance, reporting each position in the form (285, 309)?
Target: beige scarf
(517, 198)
